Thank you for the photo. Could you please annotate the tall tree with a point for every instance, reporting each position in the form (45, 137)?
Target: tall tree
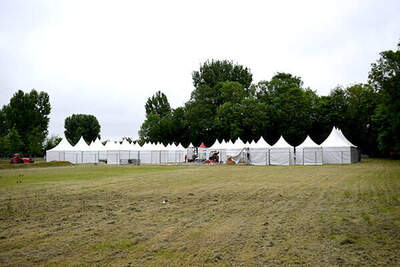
(157, 126)
(26, 116)
(215, 71)
(362, 101)
(216, 83)
(158, 104)
(289, 108)
(79, 125)
(385, 79)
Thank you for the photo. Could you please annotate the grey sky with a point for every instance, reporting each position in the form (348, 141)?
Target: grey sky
(106, 57)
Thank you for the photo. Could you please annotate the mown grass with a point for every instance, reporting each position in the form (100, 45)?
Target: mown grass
(208, 215)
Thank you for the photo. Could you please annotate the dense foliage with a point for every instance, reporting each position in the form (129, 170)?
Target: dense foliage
(226, 105)
(81, 125)
(24, 123)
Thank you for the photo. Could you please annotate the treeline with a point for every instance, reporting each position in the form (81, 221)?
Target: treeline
(225, 104)
(24, 125)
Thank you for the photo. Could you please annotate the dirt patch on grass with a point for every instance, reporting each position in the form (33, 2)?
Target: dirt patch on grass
(35, 165)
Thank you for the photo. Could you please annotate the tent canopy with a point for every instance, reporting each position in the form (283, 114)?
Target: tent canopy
(281, 143)
(336, 139)
(81, 145)
(64, 145)
(308, 142)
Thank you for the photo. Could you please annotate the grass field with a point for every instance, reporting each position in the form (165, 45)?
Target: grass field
(207, 215)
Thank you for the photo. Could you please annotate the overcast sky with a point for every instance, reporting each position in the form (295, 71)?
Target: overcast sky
(107, 57)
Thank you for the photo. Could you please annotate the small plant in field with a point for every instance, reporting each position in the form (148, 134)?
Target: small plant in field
(366, 218)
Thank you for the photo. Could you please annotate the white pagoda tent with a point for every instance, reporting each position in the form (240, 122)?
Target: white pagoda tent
(308, 153)
(113, 152)
(281, 153)
(337, 149)
(259, 152)
(57, 153)
(76, 155)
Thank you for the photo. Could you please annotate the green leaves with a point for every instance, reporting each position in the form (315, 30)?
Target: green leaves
(79, 125)
(24, 122)
(385, 78)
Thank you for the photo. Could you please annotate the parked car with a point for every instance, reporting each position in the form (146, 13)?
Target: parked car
(19, 158)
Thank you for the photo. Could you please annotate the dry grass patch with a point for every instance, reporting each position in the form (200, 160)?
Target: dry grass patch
(209, 215)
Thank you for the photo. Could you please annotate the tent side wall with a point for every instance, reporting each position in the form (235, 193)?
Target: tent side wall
(90, 157)
(281, 156)
(259, 156)
(73, 156)
(113, 157)
(355, 155)
(336, 155)
(54, 156)
(308, 156)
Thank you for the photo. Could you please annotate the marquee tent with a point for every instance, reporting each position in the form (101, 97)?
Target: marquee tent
(236, 151)
(281, 153)
(76, 155)
(202, 151)
(308, 153)
(58, 152)
(337, 149)
(259, 152)
(100, 149)
(113, 152)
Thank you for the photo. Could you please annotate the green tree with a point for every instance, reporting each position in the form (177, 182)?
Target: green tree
(384, 77)
(158, 124)
(289, 108)
(79, 125)
(14, 142)
(215, 71)
(158, 104)
(26, 116)
(51, 142)
(362, 101)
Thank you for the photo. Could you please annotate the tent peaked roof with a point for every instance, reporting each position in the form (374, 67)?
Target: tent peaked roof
(216, 144)
(281, 143)
(64, 145)
(308, 142)
(336, 139)
(180, 147)
(261, 143)
(202, 145)
(81, 145)
(344, 138)
(238, 144)
(113, 146)
(97, 145)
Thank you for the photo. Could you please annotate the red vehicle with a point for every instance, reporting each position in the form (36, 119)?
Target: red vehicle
(19, 158)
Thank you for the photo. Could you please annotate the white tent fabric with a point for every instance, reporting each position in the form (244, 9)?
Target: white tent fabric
(76, 155)
(100, 149)
(337, 149)
(259, 152)
(58, 152)
(113, 152)
(281, 153)
(308, 153)
(235, 151)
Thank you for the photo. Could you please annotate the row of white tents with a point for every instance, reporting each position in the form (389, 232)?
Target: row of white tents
(336, 149)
